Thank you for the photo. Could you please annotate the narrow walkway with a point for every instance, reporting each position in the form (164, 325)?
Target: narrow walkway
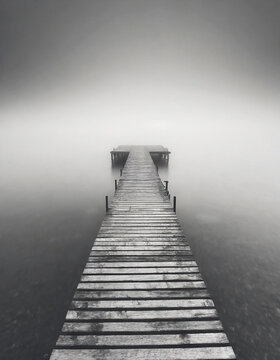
(141, 295)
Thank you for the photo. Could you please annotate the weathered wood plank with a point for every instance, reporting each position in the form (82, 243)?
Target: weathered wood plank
(142, 304)
(202, 353)
(141, 277)
(149, 239)
(138, 246)
(152, 264)
(142, 327)
(161, 340)
(139, 252)
(138, 258)
(141, 294)
(133, 270)
(139, 235)
(142, 285)
(179, 314)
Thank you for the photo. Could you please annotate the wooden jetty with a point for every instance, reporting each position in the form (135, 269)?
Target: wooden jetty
(141, 295)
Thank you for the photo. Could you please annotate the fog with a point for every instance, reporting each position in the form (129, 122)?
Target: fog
(199, 77)
(224, 144)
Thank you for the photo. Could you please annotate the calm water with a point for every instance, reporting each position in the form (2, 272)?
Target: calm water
(230, 217)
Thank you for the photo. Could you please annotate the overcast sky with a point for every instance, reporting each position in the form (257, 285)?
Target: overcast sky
(56, 50)
(74, 74)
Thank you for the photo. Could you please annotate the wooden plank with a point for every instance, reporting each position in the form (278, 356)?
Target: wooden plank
(153, 264)
(163, 235)
(144, 228)
(158, 216)
(201, 353)
(147, 239)
(139, 252)
(162, 340)
(141, 234)
(144, 242)
(137, 258)
(133, 270)
(142, 327)
(139, 248)
(139, 238)
(136, 223)
(141, 294)
(118, 231)
(141, 277)
(142, 285)
(139, 245)
(142, 304)
(179, 314)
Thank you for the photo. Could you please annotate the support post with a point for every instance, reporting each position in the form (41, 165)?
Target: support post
(106, 202)
(166, 185)
(121, 172)
(116, 184)
(174, 203)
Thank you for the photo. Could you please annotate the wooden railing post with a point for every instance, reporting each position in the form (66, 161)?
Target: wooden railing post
(174, 203)
(106, 202)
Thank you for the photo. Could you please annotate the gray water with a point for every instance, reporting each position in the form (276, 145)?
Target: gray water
(52, 212)
(233, 227)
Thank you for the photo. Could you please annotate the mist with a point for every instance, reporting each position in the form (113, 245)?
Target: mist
(222, 143)
(77, 80)
(199, 77)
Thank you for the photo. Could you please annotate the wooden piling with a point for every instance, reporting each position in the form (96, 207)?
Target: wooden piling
(174, 203)
(106, 203)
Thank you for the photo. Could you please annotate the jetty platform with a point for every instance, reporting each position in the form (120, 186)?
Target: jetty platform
(141, 295)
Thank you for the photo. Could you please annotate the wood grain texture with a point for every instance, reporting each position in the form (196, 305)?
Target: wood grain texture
(157, 327)
(141, 294)
(205, 353)
(143, 304)
(161, 340)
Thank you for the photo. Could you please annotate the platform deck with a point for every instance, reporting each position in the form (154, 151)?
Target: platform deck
(141, 295)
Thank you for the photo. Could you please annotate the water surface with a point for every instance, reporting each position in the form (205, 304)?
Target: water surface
(232, 225)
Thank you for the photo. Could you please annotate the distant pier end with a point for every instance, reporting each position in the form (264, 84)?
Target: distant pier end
(158, 151)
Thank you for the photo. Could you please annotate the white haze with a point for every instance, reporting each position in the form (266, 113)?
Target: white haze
(201, 78)
(224, 147)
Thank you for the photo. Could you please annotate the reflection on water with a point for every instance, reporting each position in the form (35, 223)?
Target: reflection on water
(233, 229)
